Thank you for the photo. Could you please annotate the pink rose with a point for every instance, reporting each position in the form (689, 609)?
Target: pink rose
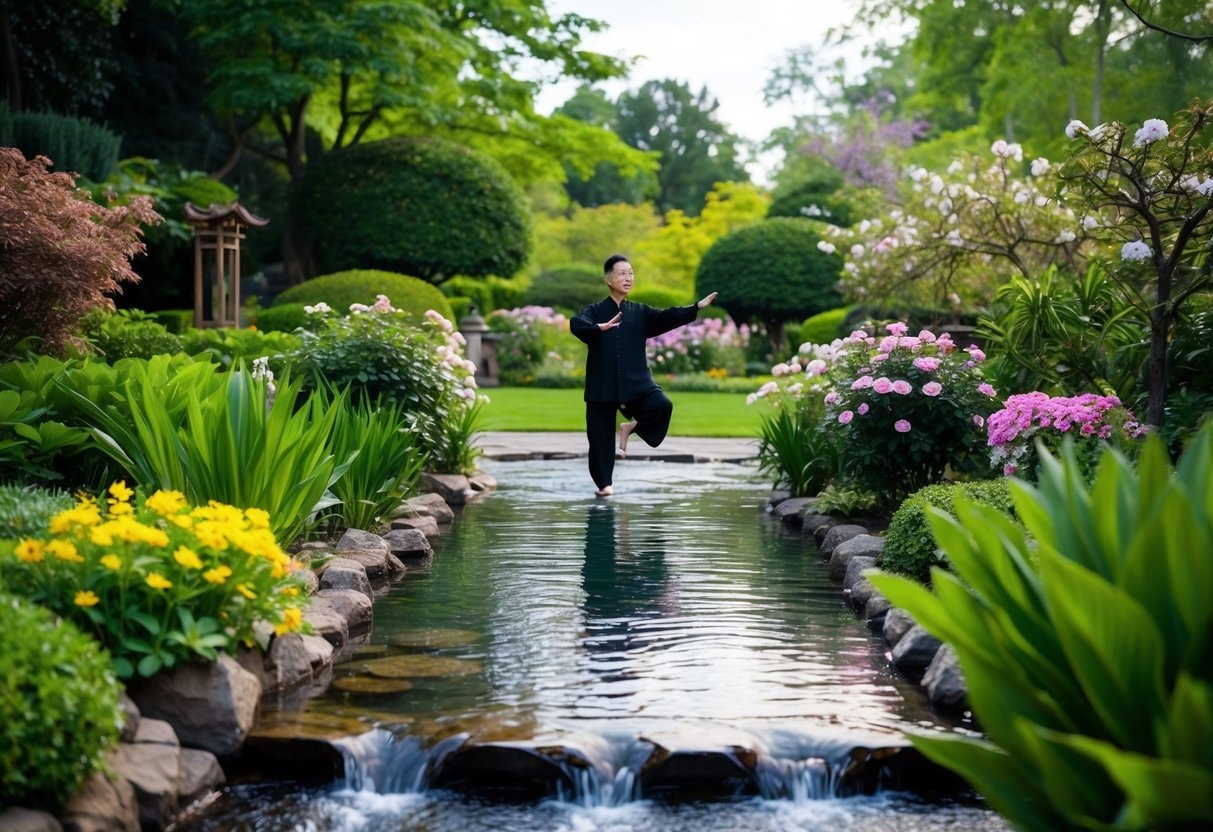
(882, 385)
(902, 387)
(901, 426)
(863, 408)
(932, 388)
(986, 390)
(845, 417)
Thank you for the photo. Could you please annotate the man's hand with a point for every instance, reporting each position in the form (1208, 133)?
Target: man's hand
(707, 301)
(612, 323)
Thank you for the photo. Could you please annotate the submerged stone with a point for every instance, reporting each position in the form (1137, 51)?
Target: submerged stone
(371, 684)
(435, 638)
(414, 665)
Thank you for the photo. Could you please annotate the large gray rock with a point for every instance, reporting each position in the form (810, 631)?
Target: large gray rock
(778, 495)
(408, 544)
(856, 566)
(428, 526)
(319, 651)
(344, 573)
(454, 488)
(861, 591)
(286, 665)
(792, 511)
(836, 535)
(896, 624)
(426, 505)
(811, 523)
(130, 719)
(482, 482)
(210, 706)
(376, 562)
(102, 805)
(326, 622)
(27, 820)
(944, 681)
(201, 774)
(875, 610)
(357, 539)
(355, 607)
(915, 650)
(855, 545)
(154, 770)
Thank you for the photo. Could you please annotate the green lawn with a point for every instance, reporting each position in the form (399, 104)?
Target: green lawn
(546, 409)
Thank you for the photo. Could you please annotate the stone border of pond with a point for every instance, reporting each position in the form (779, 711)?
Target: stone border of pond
(848, 550)
(184, 728)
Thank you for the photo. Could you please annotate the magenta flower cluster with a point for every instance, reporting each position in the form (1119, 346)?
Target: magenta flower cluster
(710, 343)
(1012, 430)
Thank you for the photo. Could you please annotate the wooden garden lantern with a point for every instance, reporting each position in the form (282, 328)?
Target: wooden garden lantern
(217, 236)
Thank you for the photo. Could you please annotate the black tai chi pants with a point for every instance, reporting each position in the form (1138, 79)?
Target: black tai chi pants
(651, 413)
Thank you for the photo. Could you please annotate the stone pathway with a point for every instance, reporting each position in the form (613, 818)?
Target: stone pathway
(516, 445)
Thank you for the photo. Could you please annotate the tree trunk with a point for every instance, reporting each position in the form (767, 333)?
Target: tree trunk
(1156, 367)
(296, 247)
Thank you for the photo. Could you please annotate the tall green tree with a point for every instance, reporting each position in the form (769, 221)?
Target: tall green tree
(605, 185)
(696, 150)
(295, 79)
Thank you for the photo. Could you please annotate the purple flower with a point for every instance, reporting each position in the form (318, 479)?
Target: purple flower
(882, 385)
(902, 387)
(832, 398)
(897, 329)
(901, 426)
(926, 363)
(845, 417)
(986, 390)
(863, 408)
(933, 388)
(862, 383)
(978, 421)
(976, 354)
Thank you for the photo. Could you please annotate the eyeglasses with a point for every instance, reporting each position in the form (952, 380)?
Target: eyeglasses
(628, 273)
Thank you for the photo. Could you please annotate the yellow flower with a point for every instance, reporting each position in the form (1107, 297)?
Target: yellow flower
(217, 575)
(101, 536)
(112, 562)
(290, 591)
(182, 520)
(165, 503)
(64, 550)
(245, 591)
(29, 551)
(258, 518)
(120, 509)
(292, 621)
(120, 492)
(87, 598)
(157, 581)
(211, 534)
(187, 558)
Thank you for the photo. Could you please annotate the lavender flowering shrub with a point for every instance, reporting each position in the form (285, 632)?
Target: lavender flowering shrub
(710, 345)
(535, 341)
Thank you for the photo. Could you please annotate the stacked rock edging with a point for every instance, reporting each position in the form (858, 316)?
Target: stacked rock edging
(849, 551)
(183, 725)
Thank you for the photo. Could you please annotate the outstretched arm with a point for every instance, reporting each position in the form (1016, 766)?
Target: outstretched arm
(707, 301)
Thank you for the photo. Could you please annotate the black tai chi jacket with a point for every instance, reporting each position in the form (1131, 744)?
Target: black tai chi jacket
(616, 369)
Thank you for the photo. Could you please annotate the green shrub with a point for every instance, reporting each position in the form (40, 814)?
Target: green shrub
(571, 288)
(823, 327)
(772, 271)
(232, 346)
(127, 333)
(460, 307)
(796, 453)
(422, 206)
(24, 509)
(487, 293)
(158, 581)
(74, 145)
(655, 297)
(59, 709)
(910, 549)
(815, 200)
(282, 317)
(1085, 641)
(844, 500)
(343, 289)
(176, 321)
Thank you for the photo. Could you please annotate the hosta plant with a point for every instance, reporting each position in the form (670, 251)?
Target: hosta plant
(1086, 640)
(157, 581)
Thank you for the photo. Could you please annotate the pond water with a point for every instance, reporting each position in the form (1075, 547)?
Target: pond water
(677, 612)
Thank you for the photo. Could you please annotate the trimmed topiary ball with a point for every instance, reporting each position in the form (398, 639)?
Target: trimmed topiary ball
(421, 206)
(363, 286)
(59, 710)
(772, 271)
(281, 317)
(910, 548)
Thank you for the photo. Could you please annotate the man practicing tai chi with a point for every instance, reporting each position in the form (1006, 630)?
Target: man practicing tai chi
(617, 373)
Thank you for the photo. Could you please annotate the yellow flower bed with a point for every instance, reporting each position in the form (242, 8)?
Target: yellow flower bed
(156, 580)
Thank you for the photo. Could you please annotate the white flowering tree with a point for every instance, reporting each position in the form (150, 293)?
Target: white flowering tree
(1152, 192)
(962, 233)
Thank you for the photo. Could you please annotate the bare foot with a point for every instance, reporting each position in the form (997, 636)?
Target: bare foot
(605, 491)
(625, 430)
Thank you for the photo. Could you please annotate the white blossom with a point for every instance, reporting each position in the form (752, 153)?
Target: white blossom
(1151, 131)
(1040, 166)
(1075, 129)
(1007, 150)
(1135, 250)
(1089, 222)
(828, 248)
(1066, 236)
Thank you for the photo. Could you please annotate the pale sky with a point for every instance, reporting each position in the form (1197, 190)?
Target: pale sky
(731, 46)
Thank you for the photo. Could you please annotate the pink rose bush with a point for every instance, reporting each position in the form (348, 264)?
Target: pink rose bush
(707, 345)
(898, 409)
(1089, 420)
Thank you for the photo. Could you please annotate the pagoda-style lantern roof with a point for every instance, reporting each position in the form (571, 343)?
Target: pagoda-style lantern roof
(217, 236)
(233, 214)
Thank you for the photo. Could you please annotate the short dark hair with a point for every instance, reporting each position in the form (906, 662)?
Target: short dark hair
(611, 262)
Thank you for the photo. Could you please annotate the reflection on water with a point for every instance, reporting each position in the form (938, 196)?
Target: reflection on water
(677, 611)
